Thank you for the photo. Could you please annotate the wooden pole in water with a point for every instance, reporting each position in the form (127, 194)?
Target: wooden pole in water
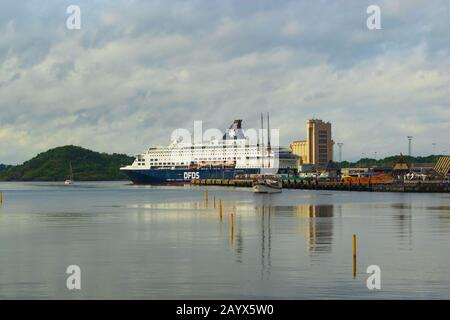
(232, 227)
(354, 256)
(214, 202)
(1, 197)
(206, 198)
(220, 210)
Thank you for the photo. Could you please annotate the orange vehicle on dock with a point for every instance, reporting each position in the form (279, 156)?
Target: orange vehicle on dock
(368, 179)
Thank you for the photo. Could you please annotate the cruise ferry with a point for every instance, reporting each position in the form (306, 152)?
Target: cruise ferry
(229, 157)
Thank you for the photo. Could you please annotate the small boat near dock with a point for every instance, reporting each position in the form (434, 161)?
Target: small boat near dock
(267, 185)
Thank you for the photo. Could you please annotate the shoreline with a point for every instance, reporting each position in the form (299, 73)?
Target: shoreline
(407, 186)
(291, 184)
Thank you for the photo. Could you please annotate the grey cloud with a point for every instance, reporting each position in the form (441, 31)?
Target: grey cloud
(137, 70)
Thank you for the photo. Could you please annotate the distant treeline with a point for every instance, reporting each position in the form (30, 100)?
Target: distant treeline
(54, 165)
(388, 161)
(4, 166)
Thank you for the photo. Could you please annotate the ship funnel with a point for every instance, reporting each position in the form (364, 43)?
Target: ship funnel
(235, 131)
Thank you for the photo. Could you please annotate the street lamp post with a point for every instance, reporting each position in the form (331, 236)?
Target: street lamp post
(340, 144)
(409, 145)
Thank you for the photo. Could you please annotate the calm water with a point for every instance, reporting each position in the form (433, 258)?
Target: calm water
(164, 243)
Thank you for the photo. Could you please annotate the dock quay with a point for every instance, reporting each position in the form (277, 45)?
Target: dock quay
(399, 186)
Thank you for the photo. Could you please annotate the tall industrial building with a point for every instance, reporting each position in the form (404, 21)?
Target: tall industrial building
(317, 149)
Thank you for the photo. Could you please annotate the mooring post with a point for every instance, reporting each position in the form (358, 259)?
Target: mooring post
(354, 256)
(232, 227)
(220, 210)
(1, 197)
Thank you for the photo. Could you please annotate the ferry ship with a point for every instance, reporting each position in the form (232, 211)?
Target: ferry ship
(229, 157)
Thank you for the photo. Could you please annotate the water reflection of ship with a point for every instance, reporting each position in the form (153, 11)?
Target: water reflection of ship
(319, 228)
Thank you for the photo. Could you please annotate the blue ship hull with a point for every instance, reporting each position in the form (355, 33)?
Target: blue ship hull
(165, 176)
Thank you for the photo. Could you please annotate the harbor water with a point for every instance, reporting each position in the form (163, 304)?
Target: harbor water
(169, 242)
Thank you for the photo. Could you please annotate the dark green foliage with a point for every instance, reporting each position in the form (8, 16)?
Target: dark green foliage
(388, 161)
(3, 167)
(53, 165)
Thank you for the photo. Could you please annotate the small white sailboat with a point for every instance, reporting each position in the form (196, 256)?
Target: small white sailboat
(70, 180)
(267, 184)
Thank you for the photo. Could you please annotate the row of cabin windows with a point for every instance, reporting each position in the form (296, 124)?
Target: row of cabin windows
(204, 148)
(206, 158)
(177, 163)
(185, 163)
(201, 152)
(165, 163)
(154, 161)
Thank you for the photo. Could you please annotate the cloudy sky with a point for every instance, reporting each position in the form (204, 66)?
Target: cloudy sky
(137, 70)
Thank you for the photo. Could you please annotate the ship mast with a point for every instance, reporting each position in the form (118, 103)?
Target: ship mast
(262, 140)
(71, 171)
(268, 141)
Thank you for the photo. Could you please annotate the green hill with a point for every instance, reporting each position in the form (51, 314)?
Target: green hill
(53, 165)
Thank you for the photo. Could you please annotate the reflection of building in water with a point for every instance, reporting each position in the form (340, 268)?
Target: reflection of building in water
(319, 228)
